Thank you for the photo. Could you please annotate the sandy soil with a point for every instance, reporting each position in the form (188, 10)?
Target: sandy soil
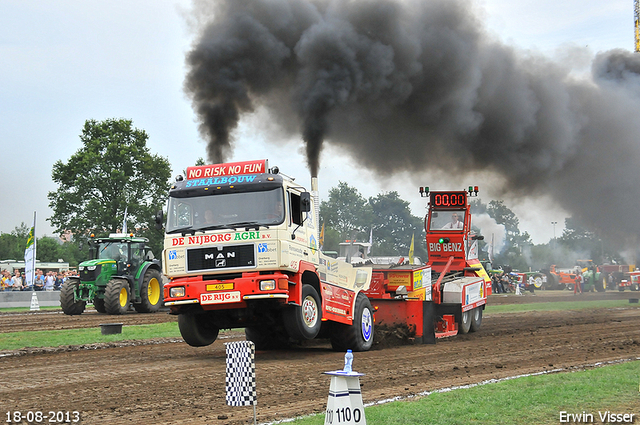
(169, 382)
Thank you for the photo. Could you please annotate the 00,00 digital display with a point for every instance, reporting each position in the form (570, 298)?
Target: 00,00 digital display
(448, 199)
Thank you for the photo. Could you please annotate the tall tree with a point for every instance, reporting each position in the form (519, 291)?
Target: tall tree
(394, 225)
(112, 172)
(347, 212)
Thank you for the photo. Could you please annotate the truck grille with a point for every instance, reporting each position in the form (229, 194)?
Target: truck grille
(90, 275)
(227, 257)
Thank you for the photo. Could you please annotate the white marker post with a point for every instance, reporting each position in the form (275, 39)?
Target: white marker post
(241, 375)
(35, 306)
(344, 405)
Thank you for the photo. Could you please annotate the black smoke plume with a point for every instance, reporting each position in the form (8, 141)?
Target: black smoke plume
(418, 85)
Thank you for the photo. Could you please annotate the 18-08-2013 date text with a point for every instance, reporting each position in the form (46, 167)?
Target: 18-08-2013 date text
(38, 417)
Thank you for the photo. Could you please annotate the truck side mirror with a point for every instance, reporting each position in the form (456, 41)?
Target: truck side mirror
(159, 219)
(305, 202)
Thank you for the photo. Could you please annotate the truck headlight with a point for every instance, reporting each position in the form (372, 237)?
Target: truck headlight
(177, 292)
(267, 285)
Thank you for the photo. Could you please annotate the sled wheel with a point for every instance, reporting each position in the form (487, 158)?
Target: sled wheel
(303, 322)
(98, 304)
(197, 330)
(465, 322)
(116, 296)
(359, 335)
(476, 319)
(150, 292)
(67, 298)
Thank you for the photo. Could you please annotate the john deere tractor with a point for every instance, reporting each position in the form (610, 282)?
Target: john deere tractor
(122, 271)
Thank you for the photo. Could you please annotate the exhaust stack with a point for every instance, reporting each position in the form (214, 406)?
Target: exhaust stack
(316, 202)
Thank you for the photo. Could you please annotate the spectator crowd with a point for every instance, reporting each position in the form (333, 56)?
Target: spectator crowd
(50, 281)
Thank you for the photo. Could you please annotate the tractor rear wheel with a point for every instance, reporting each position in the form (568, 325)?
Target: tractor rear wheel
(476, 319)
(67, 298)
(464, 324)
(98, 304)
(359, 335)
(150, 292)
(197, 330)
(303, 322)
(117, 296)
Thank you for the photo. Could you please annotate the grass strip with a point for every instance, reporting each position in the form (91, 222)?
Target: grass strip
(55, 338)
(557, 305)
(527, 400)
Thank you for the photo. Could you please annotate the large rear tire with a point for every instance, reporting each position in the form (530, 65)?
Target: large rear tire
(197, 330)
(464, 324)
(476, 319)
(359, 335)
(303, 322)
(150, 292)
(98, 304)
(117, 296)
(67, 298)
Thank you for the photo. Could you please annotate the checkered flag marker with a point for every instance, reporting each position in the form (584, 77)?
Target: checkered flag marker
(241, 374)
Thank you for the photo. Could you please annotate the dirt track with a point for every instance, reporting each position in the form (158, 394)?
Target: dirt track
(172, 383)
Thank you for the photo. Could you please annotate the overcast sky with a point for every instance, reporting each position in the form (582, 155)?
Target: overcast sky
(63, 62)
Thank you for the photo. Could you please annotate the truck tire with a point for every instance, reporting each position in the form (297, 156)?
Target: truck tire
(67, 298)
(117, 296)
(197, 330)
(303, 322)
(464, 324)
(150, 292)
(359, 335)
(476, 319)
(98, 304)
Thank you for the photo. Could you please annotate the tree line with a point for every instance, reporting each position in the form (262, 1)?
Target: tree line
(114, 179)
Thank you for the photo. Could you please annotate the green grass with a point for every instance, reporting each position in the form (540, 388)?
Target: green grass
(526, 400)
(557, 305)
(55, 338)
(24, 309)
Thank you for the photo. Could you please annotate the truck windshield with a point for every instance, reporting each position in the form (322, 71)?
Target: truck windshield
(447, 220)
(263, 208)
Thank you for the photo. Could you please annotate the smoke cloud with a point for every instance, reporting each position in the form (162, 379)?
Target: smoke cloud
(418, 86)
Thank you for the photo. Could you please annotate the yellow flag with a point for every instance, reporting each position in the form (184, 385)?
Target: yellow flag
(321, 237)
(411, 250)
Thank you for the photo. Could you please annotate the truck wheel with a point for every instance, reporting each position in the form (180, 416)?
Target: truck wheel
(197, 330)
(67, 298)
(303, 322)
(465, 322)
(476, 319)
(98, 304)
(359, 335)
(117, 296)
(150, 292)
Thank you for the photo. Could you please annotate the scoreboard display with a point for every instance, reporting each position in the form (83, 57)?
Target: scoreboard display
(456, 199)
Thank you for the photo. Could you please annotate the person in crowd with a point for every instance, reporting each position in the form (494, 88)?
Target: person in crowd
(49, 281)
(17, 281)
(59, 281)
(39, 280)
(7, 281)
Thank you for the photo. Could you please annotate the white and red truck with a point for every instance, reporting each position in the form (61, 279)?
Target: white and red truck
(241, 251)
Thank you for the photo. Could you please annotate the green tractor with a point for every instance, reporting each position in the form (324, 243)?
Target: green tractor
(122, 271)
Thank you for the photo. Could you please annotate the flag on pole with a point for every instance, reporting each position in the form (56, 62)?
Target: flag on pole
(370, 241)
(321, 241)
(411, 250)
(30, 255)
